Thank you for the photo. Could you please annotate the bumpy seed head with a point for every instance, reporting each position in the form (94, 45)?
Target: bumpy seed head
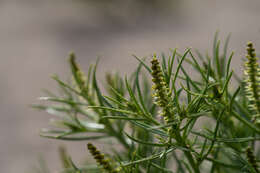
(252, 81)
(251, 158)
(250, 49)
(78, 75)
(162, 94)
(100, 158)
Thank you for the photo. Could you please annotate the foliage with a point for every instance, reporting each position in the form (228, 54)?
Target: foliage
(198, 125)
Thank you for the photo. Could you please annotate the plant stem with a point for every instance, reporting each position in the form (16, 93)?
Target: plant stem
(118, 136)
(247, 123)
(187, 153)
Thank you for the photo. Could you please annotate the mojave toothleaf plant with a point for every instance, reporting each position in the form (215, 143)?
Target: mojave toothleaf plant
(163, 119)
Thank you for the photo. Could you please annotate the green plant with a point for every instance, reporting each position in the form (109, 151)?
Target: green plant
(178, 125)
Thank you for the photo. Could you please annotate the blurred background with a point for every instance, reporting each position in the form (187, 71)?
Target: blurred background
(36, 36)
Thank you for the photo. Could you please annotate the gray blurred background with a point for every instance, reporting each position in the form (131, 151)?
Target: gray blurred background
(36, 36)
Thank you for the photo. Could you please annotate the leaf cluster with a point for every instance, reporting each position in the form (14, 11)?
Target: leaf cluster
(212, 133)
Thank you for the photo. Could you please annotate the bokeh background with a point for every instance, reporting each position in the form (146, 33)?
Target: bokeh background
(36, 36)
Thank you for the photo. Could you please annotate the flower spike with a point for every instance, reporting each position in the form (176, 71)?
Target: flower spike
(252, 72)
(162, 94)
(100, 158)
(251, 159)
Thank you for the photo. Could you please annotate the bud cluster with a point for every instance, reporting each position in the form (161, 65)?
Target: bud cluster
(162, 94)
(100, 158)
(252, 72)
(251, 158)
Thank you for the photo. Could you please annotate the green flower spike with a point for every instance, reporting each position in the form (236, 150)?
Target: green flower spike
(162, 94)
(100, 158)
(251, 159)
(78, 75)
(252, 72)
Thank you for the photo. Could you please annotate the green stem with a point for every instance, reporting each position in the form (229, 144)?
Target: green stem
(118, 136)
(188, 154)
(247, 123)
